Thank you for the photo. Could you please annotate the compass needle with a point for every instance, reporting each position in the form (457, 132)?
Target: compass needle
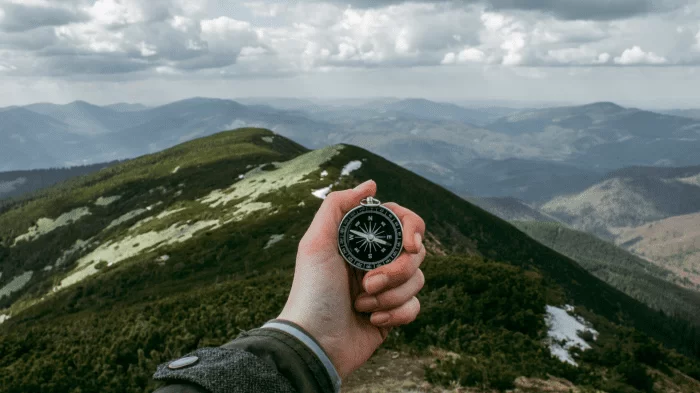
(382, 242)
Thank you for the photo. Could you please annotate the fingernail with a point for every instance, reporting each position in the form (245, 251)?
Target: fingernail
(362, 185)
(376, 283)
(366, 303)
(418, 241)
(379, 318)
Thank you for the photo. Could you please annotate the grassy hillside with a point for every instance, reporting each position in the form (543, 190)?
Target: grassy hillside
(154, 257)
(629, 197)
(673, 243)
(657, 287)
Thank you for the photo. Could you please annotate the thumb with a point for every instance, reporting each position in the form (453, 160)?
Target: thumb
(323, 231)
(338, 203)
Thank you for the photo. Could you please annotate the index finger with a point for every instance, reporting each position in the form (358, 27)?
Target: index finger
(413, 226)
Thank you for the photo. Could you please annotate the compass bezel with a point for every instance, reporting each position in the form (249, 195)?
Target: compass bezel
(345, 249)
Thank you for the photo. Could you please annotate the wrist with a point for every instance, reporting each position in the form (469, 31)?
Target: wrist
(305, 337)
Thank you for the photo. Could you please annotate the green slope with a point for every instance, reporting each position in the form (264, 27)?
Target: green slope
(634, 276)
(183, 259)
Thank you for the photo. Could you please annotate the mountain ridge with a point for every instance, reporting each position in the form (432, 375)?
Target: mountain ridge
(651, 284)
(657, 193)
(174, 237)
(484, 245)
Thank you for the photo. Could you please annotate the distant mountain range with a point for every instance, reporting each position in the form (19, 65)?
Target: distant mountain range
(629, 197)
(511, 209)
(606, 135)
(529, 154)
(691, 113)
(48, 135)
(18, 183)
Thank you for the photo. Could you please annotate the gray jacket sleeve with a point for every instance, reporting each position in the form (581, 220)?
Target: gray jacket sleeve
(279, 357)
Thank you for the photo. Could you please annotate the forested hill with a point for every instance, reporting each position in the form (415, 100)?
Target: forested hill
(16, 184)
(653, 285)
(107, 275)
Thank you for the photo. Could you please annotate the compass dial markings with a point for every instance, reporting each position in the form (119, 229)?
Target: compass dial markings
(370, 236)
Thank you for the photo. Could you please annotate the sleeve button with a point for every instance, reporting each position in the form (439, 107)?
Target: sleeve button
(183, 362)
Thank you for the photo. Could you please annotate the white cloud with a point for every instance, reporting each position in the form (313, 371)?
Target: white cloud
(468, 55)
(552, 31)
(635, 56)
(579, 55)
(114, 12)
(449, 58)
(147, 50)
(471, 55)
(223, 26)
(603, 58)
(261, 8)
(165, 70)
(7, 67)
(582, 55)
(250, 51)
(182, 23)
(90, 37)
(506, 33)
(197, 40)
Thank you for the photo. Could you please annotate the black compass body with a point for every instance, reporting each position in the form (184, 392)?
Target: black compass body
(370, 235)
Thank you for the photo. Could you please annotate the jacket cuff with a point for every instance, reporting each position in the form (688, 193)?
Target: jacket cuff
(220, 370)
(307, 339)
(293, 359)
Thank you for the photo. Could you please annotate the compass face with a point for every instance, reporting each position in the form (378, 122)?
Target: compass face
(370, 236)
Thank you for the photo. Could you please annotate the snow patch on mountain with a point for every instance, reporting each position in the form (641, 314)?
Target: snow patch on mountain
(324, 174)
(564, 331)
(322, 192)
(350, 167)
(3, 318)
(106, 201)
(47, 225)
(16, 284)
(274, 239)
(177, 168)
(268, 139)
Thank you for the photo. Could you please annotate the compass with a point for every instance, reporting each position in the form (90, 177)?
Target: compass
(370, 235)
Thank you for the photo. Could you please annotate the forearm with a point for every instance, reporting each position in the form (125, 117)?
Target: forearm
(279, 357)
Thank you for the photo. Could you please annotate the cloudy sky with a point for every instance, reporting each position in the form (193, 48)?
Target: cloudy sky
(636, 52)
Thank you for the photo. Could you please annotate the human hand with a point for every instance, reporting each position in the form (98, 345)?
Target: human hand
(328, 296)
